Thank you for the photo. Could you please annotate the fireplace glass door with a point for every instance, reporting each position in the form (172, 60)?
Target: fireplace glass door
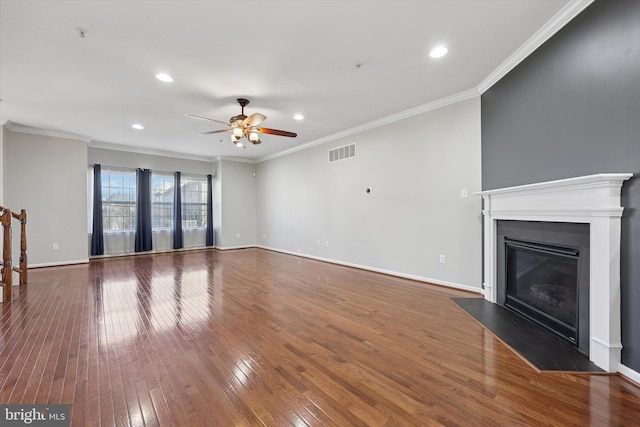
(542, 284)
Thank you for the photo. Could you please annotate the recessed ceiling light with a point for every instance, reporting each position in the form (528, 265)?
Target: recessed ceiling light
(137, 126)
(438, 52)
(298, 117)
(164, 77)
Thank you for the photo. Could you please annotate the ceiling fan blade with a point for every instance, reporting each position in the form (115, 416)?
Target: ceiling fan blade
(254, 120)
(214, 131)
(205, 118)
(277, 132)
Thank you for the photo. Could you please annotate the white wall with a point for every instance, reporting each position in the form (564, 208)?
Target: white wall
(47, 176)
(2, 159)
(416, 169)
(238, 204)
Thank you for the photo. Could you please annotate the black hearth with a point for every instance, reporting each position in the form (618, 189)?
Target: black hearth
(543, 275)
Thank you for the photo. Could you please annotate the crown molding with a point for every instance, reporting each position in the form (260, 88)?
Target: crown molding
(559, 20)
(420, 109)
(15, 127)
(237, 159)
(149, 151)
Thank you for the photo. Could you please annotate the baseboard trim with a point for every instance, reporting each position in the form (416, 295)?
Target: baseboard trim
(629, 374)
(380, 270)
(59, 263)
(229, 248)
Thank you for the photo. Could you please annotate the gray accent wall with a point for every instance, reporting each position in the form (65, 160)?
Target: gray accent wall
(572, 108)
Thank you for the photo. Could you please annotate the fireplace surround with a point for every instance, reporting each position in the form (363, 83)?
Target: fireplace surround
(592, 200)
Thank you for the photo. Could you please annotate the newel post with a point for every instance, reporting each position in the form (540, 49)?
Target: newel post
(23, 246)
(7, 271)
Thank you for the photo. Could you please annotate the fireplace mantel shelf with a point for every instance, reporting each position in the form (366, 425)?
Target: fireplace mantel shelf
(600, 179)
(565, 200)
(592, 199)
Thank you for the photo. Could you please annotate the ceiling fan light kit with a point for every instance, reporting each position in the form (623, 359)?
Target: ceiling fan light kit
(242, 126)
(237, 141)
(254, 137)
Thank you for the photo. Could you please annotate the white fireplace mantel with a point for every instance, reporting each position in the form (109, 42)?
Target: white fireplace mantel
(592, 199)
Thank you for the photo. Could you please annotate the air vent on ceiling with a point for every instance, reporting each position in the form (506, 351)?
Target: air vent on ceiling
(342, 153)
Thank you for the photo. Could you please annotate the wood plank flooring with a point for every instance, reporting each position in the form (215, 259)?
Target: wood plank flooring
(258, 338)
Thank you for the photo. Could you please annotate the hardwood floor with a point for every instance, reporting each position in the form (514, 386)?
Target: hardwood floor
(252, 337)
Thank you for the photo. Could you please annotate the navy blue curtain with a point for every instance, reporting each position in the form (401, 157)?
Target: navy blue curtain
(143, 211)
(97, 236)
(209, 211)
(177, 213)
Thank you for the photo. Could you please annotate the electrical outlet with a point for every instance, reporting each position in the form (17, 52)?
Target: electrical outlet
(56, 246)
(326, 243)
(443, 259)
(464, 193)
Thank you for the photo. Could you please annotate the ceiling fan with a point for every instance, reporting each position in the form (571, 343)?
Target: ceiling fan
(242, 126)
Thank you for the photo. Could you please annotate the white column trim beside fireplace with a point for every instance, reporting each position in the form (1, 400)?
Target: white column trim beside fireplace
(592, 199)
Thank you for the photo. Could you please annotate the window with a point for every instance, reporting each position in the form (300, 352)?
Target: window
(162, 184)
(118, 199)
(194, 201)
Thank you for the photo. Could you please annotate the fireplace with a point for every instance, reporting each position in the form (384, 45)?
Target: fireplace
(543, 275)
(592, 201)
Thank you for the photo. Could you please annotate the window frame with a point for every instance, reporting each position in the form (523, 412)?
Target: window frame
(129, 199)
(186, 179)
(168, 178)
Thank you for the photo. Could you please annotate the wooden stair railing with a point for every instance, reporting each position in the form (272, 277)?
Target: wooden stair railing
(7, 260)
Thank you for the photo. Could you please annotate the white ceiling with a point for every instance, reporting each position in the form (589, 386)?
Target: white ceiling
(343, 64)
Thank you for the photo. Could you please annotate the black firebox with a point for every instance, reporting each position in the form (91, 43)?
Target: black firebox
(542, 284)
